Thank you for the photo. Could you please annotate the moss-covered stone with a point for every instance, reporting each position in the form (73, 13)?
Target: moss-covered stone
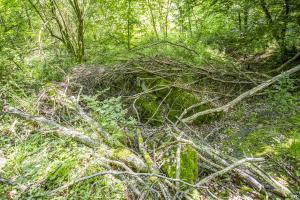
(188, 165)
(148, 110)
(179, 100)
(175, 103)
(130, 159)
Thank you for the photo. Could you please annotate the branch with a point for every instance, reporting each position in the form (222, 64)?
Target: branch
(227, 169)
(225, 108)
(5, 181)
(286, 63)
(193, 107)
(61, 130)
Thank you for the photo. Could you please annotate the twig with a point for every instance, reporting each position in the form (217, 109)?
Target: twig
(178, 159)
(5, 181)
(193, 107)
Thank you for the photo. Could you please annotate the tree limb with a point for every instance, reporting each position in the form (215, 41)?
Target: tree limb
(225, 108)
(227, 169)
(61, 130)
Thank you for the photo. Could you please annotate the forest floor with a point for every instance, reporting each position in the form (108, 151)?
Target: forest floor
(140, 113)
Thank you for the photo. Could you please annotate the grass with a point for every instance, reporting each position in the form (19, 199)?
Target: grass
(44, 162)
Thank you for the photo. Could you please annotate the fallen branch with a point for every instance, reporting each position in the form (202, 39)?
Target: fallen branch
(286, 63)
(5, 181)
(227, 169)
(61, 130)
(193, 107)
(225, 108)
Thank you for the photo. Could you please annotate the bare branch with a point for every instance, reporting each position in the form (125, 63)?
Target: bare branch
(227, 169)
(225, 108)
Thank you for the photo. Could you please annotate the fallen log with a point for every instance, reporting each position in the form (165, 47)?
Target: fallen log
(225, 108)
(66, 132)
(61, 130)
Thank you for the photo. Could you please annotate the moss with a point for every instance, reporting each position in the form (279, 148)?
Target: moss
(129, 158)
(148, 106)
(60, 172)
(122, 153)
(45, 163)
(179, 100)
(246, 189)
(121, 138)
(188, 166)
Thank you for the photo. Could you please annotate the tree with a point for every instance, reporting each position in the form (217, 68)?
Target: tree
(64, 20)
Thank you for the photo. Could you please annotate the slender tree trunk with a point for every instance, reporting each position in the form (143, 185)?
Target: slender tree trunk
(240, 22)
(166, 18)
(189, 11)
(128, 24)
(279, 35)
(246, 16)
(80, 29)
(153, 19)
(55, 18)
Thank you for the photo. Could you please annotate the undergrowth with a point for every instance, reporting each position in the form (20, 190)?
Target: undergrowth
(271, 130)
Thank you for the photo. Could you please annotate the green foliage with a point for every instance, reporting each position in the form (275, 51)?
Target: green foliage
(42, 163)
(38, 43)
(281, 97)
(272, 132)
(110, 112)
(112, 115)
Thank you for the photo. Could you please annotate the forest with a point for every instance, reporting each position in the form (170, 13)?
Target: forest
(150, 99)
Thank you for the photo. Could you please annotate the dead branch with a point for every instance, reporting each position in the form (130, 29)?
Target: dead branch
(286, 63)
(225, 108)
(193, 107)
(6, 181)
(227, 169)
(61, 130)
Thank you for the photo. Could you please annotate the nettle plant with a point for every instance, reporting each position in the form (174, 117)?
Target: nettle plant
(282, 100)
(110, 113)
